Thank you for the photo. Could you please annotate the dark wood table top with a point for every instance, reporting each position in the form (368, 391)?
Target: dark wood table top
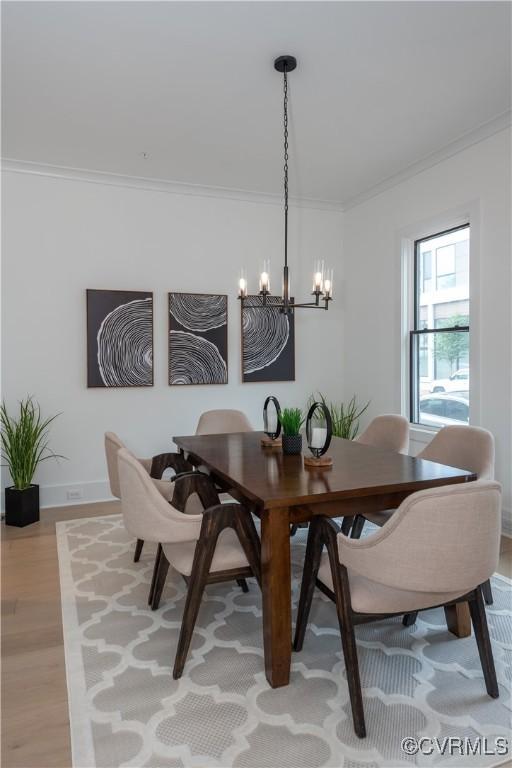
(271, 479)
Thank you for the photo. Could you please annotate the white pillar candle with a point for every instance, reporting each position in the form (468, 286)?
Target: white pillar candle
(271, 421)
(318, 437)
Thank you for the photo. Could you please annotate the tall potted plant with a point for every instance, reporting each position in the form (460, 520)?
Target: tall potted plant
(24, 443)
(291, 420)
(345, 416)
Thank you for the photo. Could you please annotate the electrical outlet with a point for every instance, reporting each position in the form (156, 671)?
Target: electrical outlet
(75, 493)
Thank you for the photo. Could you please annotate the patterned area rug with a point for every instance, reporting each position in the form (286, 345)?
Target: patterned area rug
(126, 710)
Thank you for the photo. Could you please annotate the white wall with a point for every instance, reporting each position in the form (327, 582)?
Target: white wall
(477, 181)
(61, 236)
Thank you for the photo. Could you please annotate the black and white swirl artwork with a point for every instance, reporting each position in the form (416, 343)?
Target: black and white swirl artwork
(119, 339)
(198, 343)
(268, 343)
(198, 311)
(195, 360)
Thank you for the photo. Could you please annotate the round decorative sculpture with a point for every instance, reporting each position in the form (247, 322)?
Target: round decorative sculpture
(318, 435)
(271, 422)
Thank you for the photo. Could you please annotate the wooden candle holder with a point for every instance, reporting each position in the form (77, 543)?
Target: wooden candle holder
(267, 442)
(322, 461)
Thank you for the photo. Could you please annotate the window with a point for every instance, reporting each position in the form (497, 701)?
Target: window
(439, 338)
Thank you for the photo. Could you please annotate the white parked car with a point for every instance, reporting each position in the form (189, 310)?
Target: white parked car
(442, 409)
(458, 382)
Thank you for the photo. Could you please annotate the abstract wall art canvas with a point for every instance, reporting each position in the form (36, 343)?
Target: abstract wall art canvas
(119, 338)
(198, 338)
(268, 343)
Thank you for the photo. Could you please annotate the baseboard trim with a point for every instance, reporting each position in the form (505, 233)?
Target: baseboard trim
(71, 494)
(65, 495)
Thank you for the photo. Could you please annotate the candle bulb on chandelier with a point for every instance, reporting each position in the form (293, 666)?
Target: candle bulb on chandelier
(318, 277)
(328, 284)
(242, 285)
(265, 278)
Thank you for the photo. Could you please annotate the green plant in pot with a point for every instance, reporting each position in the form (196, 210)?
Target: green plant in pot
(24, 443)
(345, 416)
(291, 420)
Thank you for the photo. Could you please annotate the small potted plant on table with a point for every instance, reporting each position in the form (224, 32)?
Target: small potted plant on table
(24, 447)
(291, 420)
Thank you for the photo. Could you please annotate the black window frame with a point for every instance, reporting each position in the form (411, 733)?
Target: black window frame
(416, 332)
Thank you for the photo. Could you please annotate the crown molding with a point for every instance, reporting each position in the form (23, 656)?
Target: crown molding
(484, 131)
(160, 185)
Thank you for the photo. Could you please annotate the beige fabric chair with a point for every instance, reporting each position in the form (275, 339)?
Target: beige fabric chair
(219, 545)
(221, 422)
(470, 448)
(113, 445)
(389, 431)
(438, 548)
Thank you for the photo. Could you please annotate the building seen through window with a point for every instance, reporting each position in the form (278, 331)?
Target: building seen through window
(440, 334)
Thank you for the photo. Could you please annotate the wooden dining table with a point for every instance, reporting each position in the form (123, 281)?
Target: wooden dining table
(281, 491)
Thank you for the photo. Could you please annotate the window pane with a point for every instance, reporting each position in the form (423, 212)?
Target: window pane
(445, 260)
(443, 398)
(440, 361)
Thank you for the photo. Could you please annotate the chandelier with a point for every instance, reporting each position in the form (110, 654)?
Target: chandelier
(322, 278)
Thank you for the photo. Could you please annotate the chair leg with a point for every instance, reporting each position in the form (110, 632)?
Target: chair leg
(161, 576)
(357, 527)
(348, 640)
(346, 525)
(211, 527)
(409, 619)
(243, 585)
(479, 619)
(138, 550)
(155, 571)
(311, 565)
(487, 592)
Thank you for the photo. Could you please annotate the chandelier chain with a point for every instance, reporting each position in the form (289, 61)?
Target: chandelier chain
(285, 127)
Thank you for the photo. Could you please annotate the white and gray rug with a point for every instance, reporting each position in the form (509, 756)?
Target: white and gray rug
(126, 710)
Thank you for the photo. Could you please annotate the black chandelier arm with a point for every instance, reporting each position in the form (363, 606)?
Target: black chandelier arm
(257, 303)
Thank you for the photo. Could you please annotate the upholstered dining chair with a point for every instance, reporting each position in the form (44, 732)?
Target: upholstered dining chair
(437, 549)
(466, 447)
(223, 421)
(389, 431)
(155, 467)
(221, 544)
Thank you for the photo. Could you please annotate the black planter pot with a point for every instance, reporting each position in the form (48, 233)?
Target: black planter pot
(292, 444)
(22, 507)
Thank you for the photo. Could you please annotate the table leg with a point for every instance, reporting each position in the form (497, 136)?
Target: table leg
(458, 619)
(276, 588)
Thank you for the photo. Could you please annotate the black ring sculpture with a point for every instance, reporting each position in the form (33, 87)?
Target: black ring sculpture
(317, 452)
(275, 402)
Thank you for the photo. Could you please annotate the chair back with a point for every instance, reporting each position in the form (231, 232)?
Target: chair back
(112, 445)
(221, 422)
(146, 514)
(389, 431)
(465, 447)
(441, 540)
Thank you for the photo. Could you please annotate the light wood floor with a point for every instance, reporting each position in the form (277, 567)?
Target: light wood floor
(35, 724)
